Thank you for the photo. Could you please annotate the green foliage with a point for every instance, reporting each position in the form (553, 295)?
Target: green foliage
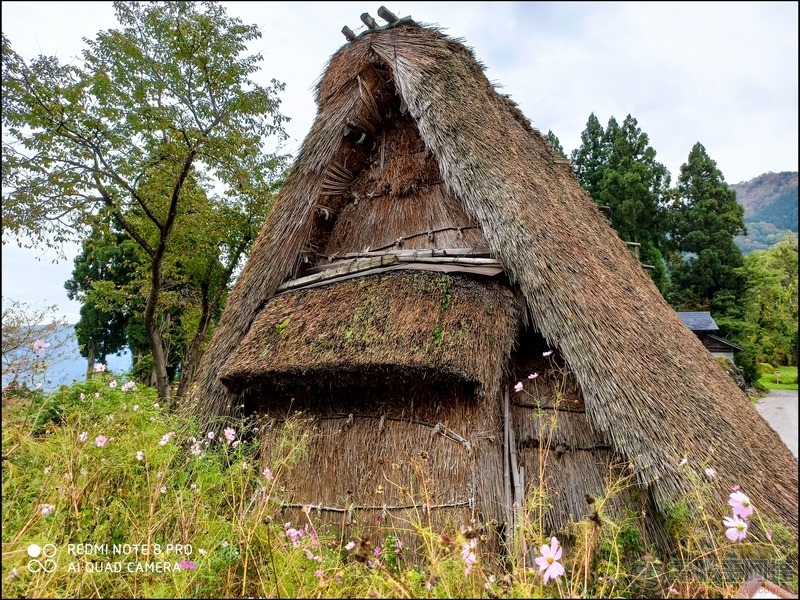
(770, 306)
(760, 236)
(555, 144)
(706, 217)
(281, 327)
(765, 368)
(161, 114)
(437, 335)
(618, 168)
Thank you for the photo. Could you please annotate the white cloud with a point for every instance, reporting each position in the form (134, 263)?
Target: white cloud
(720, 73)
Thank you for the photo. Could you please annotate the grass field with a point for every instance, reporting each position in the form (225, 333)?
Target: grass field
(786, 380)
(108, 494)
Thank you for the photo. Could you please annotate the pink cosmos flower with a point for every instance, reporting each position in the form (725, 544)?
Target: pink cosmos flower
(267, 474)
(187, 565)
(548, 353)
(349, 545)
(163, 489)
(96, 395)
(711, 473)
(112, 384)
(196, 449)
(309, 554)
(377, 550)
(83, 397)
(40, 346)
(548, 561)
(46, 509)
(13, 574)
(468, 555)
(166, 438)
(211, 435)
(741, 504)
(318, 573)
(399, 544)
(131, 385)
(769, 534)
(518, 387)
(230, 433)
(100, 440)
(736, 528)
(533, 375)
(140, 455)
(234, 443)
(83, 436)
(99, 368)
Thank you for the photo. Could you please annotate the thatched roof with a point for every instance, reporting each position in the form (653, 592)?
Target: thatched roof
(409, 324)
(650, 388)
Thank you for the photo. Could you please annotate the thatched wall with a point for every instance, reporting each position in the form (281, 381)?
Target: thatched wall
(563, 455)
(420, 452)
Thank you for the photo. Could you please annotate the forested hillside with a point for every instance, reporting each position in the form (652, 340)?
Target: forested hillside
(770, 209)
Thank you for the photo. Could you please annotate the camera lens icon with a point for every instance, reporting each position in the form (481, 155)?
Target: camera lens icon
(47, 552)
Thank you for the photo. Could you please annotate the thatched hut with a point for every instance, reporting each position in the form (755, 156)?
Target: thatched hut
(427, 251)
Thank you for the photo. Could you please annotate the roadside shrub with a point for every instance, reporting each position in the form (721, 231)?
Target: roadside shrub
(765, 368)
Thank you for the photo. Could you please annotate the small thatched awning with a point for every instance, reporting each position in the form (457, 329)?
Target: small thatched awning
(401, 324)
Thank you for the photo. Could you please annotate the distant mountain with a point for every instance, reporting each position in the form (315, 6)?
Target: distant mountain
(69, 366)
(770, 209)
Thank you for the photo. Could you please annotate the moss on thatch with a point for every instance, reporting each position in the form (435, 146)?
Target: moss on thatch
(411, 323)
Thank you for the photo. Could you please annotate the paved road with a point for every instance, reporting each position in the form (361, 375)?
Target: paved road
(779, 408)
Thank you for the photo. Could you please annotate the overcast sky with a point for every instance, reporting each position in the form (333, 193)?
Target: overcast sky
(723, 74)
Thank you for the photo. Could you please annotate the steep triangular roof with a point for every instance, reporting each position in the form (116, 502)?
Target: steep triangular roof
(649, 385)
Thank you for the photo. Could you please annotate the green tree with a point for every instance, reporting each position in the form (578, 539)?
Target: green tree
(618, 168)
(590, 159)
(771, 302)
(706, 218)
(160, 109)
(555, 143)
(106, 257)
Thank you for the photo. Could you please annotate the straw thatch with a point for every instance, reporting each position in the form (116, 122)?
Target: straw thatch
(405, 326)
(651, 392)
(422, 451)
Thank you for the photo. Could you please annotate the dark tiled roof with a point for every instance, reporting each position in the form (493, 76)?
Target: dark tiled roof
(699, 321)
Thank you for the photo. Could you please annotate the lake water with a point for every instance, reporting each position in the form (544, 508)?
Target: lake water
(68, 366)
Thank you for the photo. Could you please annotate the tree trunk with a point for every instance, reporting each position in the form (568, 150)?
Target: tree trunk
(191, 355)
(151, 326)
(90, 361)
